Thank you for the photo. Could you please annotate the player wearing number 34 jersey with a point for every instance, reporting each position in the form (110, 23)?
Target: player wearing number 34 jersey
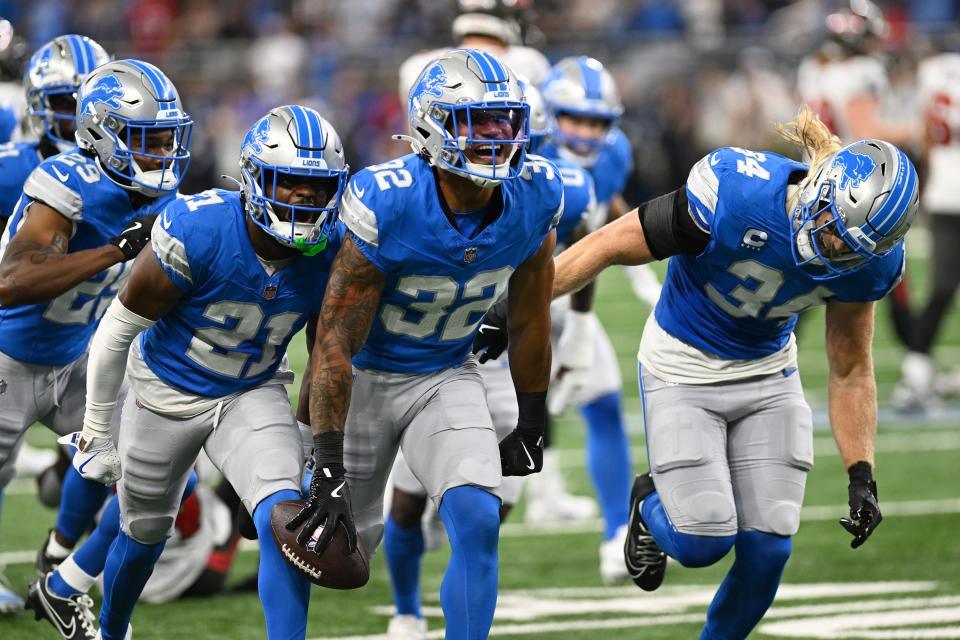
(753, 240)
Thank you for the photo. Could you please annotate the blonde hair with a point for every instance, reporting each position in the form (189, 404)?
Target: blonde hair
(815, 141)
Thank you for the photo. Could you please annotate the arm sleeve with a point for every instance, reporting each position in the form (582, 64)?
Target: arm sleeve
(669, 226)
(107, 364)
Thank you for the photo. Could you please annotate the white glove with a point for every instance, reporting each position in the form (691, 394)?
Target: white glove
(575, 354)
(644, 282)
(98, 460)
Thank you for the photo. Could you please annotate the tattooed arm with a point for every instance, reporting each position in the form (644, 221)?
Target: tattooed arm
(36, 266)
(353, 293)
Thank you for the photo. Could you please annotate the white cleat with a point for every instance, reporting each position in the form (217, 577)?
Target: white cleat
(98, 461)
(612, 569)
(548, 499)
(407, 628)
(31, 462)
(10, 602)
(127, 636)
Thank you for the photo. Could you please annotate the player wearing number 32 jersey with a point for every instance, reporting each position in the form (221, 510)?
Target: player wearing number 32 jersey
(434, 239)
(753, 240)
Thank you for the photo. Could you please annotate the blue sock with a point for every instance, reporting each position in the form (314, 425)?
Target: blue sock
(404, 548)
(750, 586)
(129, 565)
(80, 500)
(284, 592)
(468, 594)
(608, 459)
(688, 549)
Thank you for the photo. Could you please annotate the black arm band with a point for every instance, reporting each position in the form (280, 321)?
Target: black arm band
(328, 452)
(860, 473)
(496, 316)
(668, 226)
(533, 411)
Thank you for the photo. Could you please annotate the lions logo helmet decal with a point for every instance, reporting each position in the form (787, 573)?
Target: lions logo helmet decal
(257, 136)
(108, 90)
(856, 167)
(429, 82)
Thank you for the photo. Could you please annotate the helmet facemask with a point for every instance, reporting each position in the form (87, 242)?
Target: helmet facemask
(822, 244)
(485, 142)
(55, 109)
(149, 157)
(302, 221)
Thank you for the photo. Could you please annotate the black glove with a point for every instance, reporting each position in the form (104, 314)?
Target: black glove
(135, 237)
(864, 510)
(329, 503)
(492, 339)
(521, 452)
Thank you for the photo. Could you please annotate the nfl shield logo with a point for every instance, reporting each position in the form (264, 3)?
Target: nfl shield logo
(270, 292)
(470, 254)
(3, 387)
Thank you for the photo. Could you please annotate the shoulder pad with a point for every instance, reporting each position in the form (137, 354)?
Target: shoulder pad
(703, 185)
(358, 207)
(60, 184)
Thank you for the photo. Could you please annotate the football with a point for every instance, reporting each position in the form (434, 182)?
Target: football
(335, 569)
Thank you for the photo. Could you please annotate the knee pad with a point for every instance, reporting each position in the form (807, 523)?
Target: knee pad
(150, 530)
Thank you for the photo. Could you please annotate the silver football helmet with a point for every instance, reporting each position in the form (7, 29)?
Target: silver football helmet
(125, 109)
(581, 86)
(540, 129)
(286, 147)
(468, 116)
(51, 80)
(498, 19)
(866, 195)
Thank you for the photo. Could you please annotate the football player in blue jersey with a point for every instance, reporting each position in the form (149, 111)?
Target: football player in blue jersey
(404, 540)
(753, 240)
(584, 103)
(83, 214)
(435, 237)
(51, 80)
(231, 278)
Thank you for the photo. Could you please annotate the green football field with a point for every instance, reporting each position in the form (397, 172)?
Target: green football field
(904, 583)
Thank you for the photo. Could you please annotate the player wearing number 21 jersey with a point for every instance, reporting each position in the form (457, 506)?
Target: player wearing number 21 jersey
(209, 312)
(753, 240)
(434, 239)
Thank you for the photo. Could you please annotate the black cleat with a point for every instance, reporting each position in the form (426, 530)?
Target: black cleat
(646, 562)
(72, 617)
(46, 563)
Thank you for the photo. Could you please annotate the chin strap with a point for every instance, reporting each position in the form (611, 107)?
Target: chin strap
(231, 178)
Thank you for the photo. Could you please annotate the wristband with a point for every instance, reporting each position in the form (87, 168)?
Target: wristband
(861, 473)
(533, 411)
(328, 451)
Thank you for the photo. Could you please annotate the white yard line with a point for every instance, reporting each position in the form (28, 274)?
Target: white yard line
(520, 530)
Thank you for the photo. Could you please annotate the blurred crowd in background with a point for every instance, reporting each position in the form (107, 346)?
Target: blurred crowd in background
(694, 74)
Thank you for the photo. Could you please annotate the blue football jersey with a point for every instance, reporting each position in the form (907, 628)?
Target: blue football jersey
(231, 328)
(579, 199)
(56, 332)
(17, 161)
(610, 171)
(740, 297)
(439, 282)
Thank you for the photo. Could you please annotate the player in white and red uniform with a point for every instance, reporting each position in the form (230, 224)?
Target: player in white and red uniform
(938, 80)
